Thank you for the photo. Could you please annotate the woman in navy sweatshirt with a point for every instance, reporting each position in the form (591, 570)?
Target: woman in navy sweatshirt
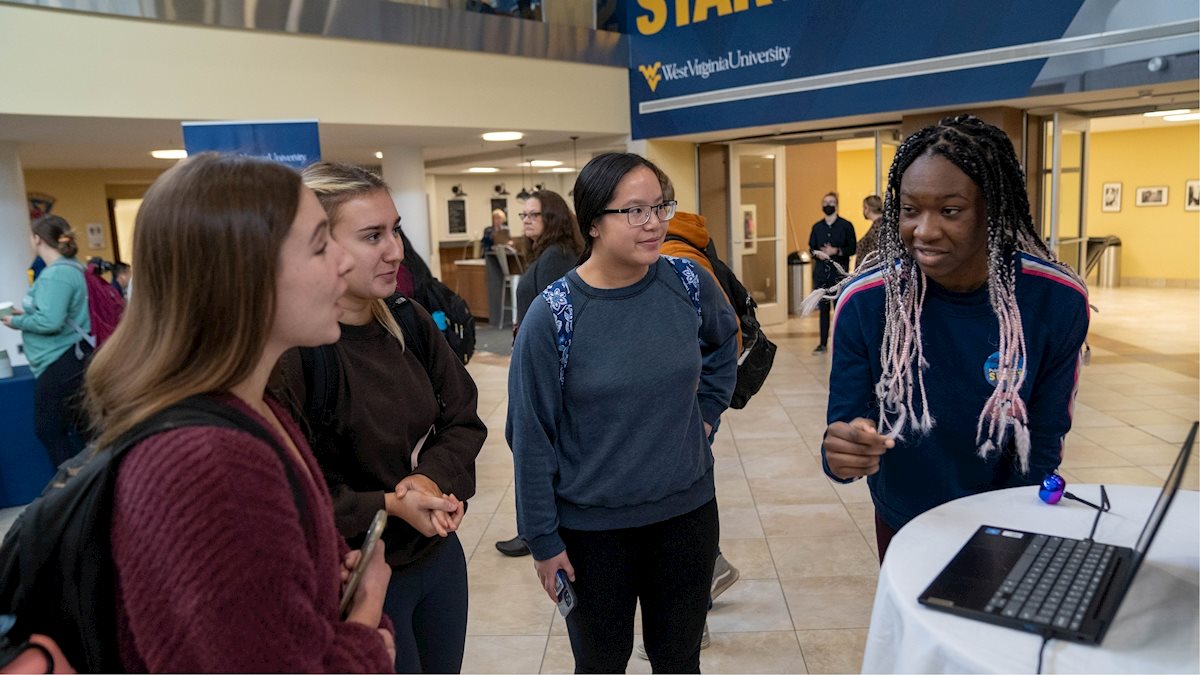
(613, 397)
(956, 358)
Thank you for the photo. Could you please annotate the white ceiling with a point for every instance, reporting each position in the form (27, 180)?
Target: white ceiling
(61, 142)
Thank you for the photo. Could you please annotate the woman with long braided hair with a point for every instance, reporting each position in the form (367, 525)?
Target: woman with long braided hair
(957, 348)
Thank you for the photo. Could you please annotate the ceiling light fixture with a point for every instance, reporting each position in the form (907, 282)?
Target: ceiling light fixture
(1189, 117)
(558, 169)
(168, 154)
(1164, 113)
(545, 163)
(496, 136)
(523, 194)
(483, 169)
(378, 155)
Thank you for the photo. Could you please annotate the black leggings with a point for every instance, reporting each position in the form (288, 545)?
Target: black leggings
(427, 602)
(668, 566)
(58, 417)
(826, 307)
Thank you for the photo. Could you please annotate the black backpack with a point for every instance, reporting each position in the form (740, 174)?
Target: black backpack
(459, 330)
(57, 576)
(758, 353)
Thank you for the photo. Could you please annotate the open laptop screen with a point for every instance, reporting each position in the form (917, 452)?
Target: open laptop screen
(1164, 499)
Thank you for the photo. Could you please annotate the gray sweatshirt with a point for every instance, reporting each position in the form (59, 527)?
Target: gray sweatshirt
(621, 443)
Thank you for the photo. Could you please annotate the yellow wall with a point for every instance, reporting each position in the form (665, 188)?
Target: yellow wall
(855, 181)
(677, 160)
(114, 67)
(82, 198)
(1160, 242)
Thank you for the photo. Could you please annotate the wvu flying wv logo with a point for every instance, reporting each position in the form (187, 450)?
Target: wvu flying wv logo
(651, 74)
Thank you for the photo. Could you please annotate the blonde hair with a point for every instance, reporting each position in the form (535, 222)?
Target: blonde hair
(335, 184)
(208, 234)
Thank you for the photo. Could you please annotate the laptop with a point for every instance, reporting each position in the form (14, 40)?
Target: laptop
(1057, 587)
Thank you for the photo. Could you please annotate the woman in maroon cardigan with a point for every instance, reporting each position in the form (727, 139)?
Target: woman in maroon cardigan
(217, 570)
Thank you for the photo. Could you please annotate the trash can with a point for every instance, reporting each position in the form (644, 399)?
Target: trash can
(799, 280)
(1109, 272)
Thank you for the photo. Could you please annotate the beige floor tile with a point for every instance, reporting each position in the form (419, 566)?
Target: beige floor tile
(1191, 475)
(1113, 403)
(830, 602)
(1087, 417)
(833, 651)
(503, 654)
(749, 606)
(1116, 437)
(751, 557)
(1171, 433)
(843, 555)
(1149, 455)
(797, 464)
(739, 522)
(863, 514)
(1086, 455)
(508, 609)
(1140, 417)
(777, 652)
(750, 449)
(852, 493)
(788, 489)
(1130, 475)
(805, 520)
(471, 529)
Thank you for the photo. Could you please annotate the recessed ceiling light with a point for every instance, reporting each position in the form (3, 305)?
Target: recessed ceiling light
(1189, 117)
(562, 169)
(482, 169)
(378, 155)
(168, 154)
(1164, 113)
(545, 162)
(503, 136)
(768, 156)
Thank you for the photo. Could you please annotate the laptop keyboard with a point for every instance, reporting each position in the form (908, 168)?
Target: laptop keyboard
(1053, 582)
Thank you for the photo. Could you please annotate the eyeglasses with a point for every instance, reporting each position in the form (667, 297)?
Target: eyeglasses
(640, 215)
(530, 215)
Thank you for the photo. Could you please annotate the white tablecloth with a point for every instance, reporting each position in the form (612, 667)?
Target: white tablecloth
(1156, 629)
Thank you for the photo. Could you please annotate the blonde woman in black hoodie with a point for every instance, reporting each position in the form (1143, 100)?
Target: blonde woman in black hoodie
(397, 409)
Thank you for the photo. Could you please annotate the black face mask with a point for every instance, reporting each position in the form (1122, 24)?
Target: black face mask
(829, 210)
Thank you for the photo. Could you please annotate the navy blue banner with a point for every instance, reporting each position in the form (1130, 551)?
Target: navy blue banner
(692, 60)
(294, 142)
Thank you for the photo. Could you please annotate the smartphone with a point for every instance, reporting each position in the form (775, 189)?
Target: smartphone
(368, 549)
(566, 594)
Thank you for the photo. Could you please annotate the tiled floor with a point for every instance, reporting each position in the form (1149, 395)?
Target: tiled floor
(806, 547)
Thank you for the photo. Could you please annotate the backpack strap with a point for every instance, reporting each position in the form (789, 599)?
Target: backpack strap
(322, 375)
(558, 296)
(90, 339)
(415, 338)
(686, 271)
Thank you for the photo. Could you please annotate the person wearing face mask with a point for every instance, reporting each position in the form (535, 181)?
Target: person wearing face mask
(610, 426)
(832, 241)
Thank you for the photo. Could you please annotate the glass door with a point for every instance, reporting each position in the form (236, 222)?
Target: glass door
(887, 141)
(756, 223)
(1064, 185)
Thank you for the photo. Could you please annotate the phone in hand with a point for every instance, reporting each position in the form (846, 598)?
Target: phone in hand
(378, 523)
(566, 594)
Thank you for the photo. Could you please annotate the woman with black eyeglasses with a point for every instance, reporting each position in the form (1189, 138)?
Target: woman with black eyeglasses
(618, 379)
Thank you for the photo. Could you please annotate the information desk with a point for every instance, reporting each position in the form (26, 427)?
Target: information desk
(471, 283)
(24, 465)
(1154, 631)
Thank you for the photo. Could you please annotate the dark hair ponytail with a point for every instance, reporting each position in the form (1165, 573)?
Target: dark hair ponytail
(56, 232)
(595, 187)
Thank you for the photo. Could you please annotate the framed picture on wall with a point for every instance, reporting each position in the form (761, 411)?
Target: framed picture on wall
(1191, 196)
(1155, 195)
(456, 212)
(1111, 196)
(749, 229)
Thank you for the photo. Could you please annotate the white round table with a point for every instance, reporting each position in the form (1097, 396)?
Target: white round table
(1157, 628)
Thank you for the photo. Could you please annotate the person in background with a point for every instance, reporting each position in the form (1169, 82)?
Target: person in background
(402, 432)
(54, 323)
(224, 563)
(555, 245)
(122, 276)
(832, 241)
(611, 449)
(957, 367)
(497, 232)
(872, 211)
